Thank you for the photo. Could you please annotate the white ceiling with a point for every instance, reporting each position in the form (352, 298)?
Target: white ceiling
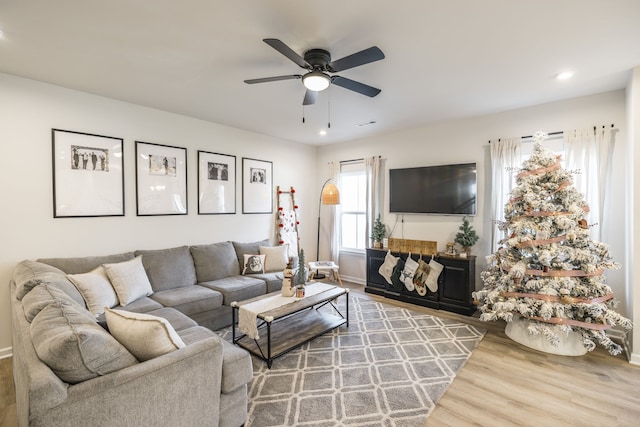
(445, 59)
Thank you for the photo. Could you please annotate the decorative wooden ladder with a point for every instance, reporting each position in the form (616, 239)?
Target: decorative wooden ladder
(287, 220)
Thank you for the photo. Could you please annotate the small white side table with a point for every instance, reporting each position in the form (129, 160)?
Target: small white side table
(325, 265)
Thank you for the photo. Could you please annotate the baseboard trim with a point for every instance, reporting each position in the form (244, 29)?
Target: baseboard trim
(6, 352)
(351, 279)
(634, 359)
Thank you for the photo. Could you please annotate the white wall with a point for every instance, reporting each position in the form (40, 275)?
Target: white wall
(467, 141)
(28, 111)
(633, 221)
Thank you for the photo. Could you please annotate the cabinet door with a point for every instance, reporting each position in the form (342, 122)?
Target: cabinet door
(375, 258)
(456, 283)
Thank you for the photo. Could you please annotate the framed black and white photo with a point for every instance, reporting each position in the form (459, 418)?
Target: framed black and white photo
(216, 183)
(88, 177)
(161, 179)
(257, 186)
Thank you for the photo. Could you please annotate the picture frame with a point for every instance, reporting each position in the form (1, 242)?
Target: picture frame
(88, 174)
(161, 179)
(257, 186)
(216, 183)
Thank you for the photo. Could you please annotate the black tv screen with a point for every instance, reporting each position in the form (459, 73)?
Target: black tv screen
(445, 190)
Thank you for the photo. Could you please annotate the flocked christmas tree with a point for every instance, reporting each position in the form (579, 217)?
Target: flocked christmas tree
(548, 272)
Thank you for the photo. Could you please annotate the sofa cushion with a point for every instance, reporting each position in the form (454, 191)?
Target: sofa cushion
(142, 305)
(29, 274)
(178, 320)
(253, 264)
(68, 339)
(144, 335)
(247, 248)
(40, 297)
(237, 368)
(96, 290)
(129, 280)
(189, 300)
(214, 261)
(79, 265)
(169, 268)
(277, 257)
(273, 280)
(237, 288)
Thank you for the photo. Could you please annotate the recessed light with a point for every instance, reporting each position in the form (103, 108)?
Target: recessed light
(564, 75)
(322, 132)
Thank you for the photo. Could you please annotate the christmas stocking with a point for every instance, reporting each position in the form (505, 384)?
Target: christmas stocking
(396, 280)
(386, 269)
(435, 268)
(408, 272)
(420, 277)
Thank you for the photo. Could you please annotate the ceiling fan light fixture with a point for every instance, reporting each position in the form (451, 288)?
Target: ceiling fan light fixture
(316, 81)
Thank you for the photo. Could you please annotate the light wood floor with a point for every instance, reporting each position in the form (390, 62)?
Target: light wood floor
(502, 384)
(507, 384)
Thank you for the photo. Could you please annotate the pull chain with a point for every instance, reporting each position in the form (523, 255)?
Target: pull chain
(329, 109)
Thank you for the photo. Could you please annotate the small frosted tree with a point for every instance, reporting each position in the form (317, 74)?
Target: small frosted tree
(548, 270)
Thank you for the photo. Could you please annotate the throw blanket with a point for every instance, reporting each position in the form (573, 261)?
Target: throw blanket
(248, 313)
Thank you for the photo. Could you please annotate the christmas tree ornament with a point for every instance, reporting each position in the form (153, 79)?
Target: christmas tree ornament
(546, 280)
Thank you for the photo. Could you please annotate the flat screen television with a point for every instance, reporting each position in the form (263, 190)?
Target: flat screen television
(439, 190)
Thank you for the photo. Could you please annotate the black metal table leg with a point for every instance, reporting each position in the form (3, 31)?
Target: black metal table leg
(269, 359)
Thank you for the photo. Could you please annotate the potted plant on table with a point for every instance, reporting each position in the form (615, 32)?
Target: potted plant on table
(467, 236)
(378, 231)
(302, 276)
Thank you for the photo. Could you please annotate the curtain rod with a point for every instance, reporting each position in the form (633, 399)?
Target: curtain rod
(559, 133)
(355, 160)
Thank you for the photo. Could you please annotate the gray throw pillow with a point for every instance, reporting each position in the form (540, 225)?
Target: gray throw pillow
(68, 339)
(168, 268)
(40, 297)
(29, 274)
(248, 248)
(215, 261)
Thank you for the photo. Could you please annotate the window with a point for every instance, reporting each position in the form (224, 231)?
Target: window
(353, 218)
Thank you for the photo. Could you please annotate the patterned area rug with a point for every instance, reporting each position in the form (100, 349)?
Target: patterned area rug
(388, 368)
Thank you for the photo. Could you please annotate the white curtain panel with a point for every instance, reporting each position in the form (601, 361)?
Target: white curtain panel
(374, 192)
(590, 151)
(505, 158)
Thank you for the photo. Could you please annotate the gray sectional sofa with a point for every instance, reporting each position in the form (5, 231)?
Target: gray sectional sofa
(89, 378)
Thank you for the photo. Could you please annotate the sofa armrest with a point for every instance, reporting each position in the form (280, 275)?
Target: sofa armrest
(178, 388)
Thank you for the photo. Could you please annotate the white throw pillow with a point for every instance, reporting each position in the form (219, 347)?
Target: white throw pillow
(129, 280)
(253, 264)
(144, 335)
(277, 257)
(96, 290)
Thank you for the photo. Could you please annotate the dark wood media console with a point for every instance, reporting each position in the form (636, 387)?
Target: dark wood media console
(455, 284)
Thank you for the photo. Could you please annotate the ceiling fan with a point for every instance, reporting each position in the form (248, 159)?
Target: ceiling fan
(318, 63)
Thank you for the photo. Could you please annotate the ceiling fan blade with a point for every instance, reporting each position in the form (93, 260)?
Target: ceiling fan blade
(355, 86)
(273, 79)
(288, 52)
(310, 97)
(355, 60)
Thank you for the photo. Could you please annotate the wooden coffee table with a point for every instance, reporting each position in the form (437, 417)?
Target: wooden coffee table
(288, 327)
